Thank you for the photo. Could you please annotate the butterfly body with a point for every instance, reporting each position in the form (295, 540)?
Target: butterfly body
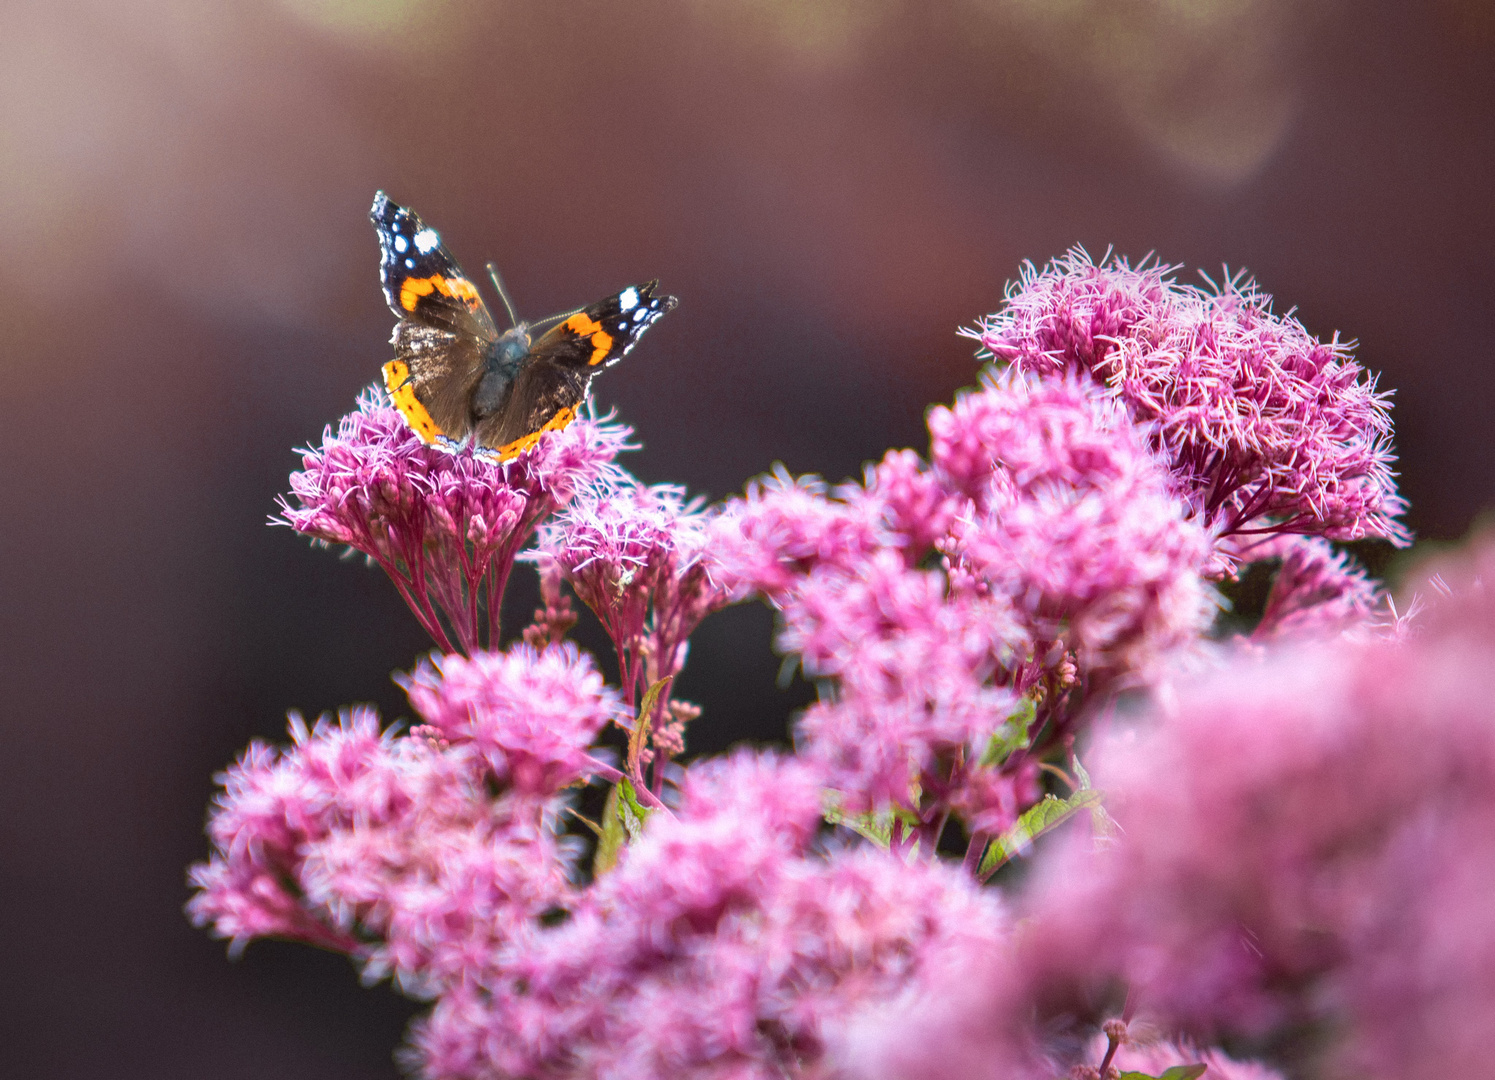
(461, 382)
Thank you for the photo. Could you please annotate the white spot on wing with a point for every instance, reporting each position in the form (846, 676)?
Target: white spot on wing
(401, 244)
(628, 299)
(426, 241)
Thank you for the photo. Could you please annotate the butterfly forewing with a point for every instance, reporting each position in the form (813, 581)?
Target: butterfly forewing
(603, 333)
(422, 282)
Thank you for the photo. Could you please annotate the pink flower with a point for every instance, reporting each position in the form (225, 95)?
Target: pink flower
(445, 527)
(783, 527)
(639, 558)
(384, 848)
(914, 505)
(532, 715)
(719, 947)
(914, 700)
(1317, 589)
(918, 694)
(1027, 435)
(1074, 519)
(1320, 853)
(1269, 429)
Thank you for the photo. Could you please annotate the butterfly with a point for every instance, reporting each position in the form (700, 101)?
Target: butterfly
(456, 379)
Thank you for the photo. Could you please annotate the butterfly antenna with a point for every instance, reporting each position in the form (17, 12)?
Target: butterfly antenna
(557, 318)
(503, 294)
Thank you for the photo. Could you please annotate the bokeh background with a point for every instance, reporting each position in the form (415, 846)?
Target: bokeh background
(188, 290)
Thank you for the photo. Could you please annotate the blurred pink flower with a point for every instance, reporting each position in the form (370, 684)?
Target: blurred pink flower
(918, 699)
(1267, 428)
(1306, 839)
(1317, 589)
(445, 527)
(914, 506)
(783, 527)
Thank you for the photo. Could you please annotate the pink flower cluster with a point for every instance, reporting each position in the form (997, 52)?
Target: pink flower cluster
(421, 856)
(637, 556)
(1265, 427)
(721, 946)
(1317, 590)
(532, 716)
(445, 527)
(1068, 561)
(1295, 822)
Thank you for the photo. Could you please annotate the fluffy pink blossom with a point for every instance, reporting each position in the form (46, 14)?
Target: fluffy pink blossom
(917, 697)
(1306, 839)
(445, 527)
(1268, 428)
(532, 715)
(783, 527)
(832, 615)
(718, 948)
(914, 505)
(391, 850)
(638, 556)
(1317, 589)
(1025, 435)
(1073, 519)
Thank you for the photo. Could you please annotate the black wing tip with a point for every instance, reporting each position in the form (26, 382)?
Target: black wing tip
(385, 210)
(646, 290)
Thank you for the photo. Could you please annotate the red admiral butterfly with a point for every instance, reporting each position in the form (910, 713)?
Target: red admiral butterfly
(456, 379)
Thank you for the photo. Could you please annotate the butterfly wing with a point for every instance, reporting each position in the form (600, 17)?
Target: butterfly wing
(444, 333)
(544, 396)
(601, 335)
(550, 387)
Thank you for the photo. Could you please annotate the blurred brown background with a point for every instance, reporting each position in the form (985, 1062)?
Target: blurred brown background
(188, 288)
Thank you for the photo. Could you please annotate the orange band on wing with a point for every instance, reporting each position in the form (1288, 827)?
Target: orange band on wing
(402, 396)
(412, 289)
(583, 325)
(520, 445)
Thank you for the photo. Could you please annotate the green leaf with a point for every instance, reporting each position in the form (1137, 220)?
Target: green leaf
(1046, 815)
(1011, 737)
(640, 733)
(1184, 1072)
(876, 825)
(1178, 1072)
(1102, 825)
(622, 823)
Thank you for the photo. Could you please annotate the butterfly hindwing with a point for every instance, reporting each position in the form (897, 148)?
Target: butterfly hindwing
(438, 369)
(543, 397)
